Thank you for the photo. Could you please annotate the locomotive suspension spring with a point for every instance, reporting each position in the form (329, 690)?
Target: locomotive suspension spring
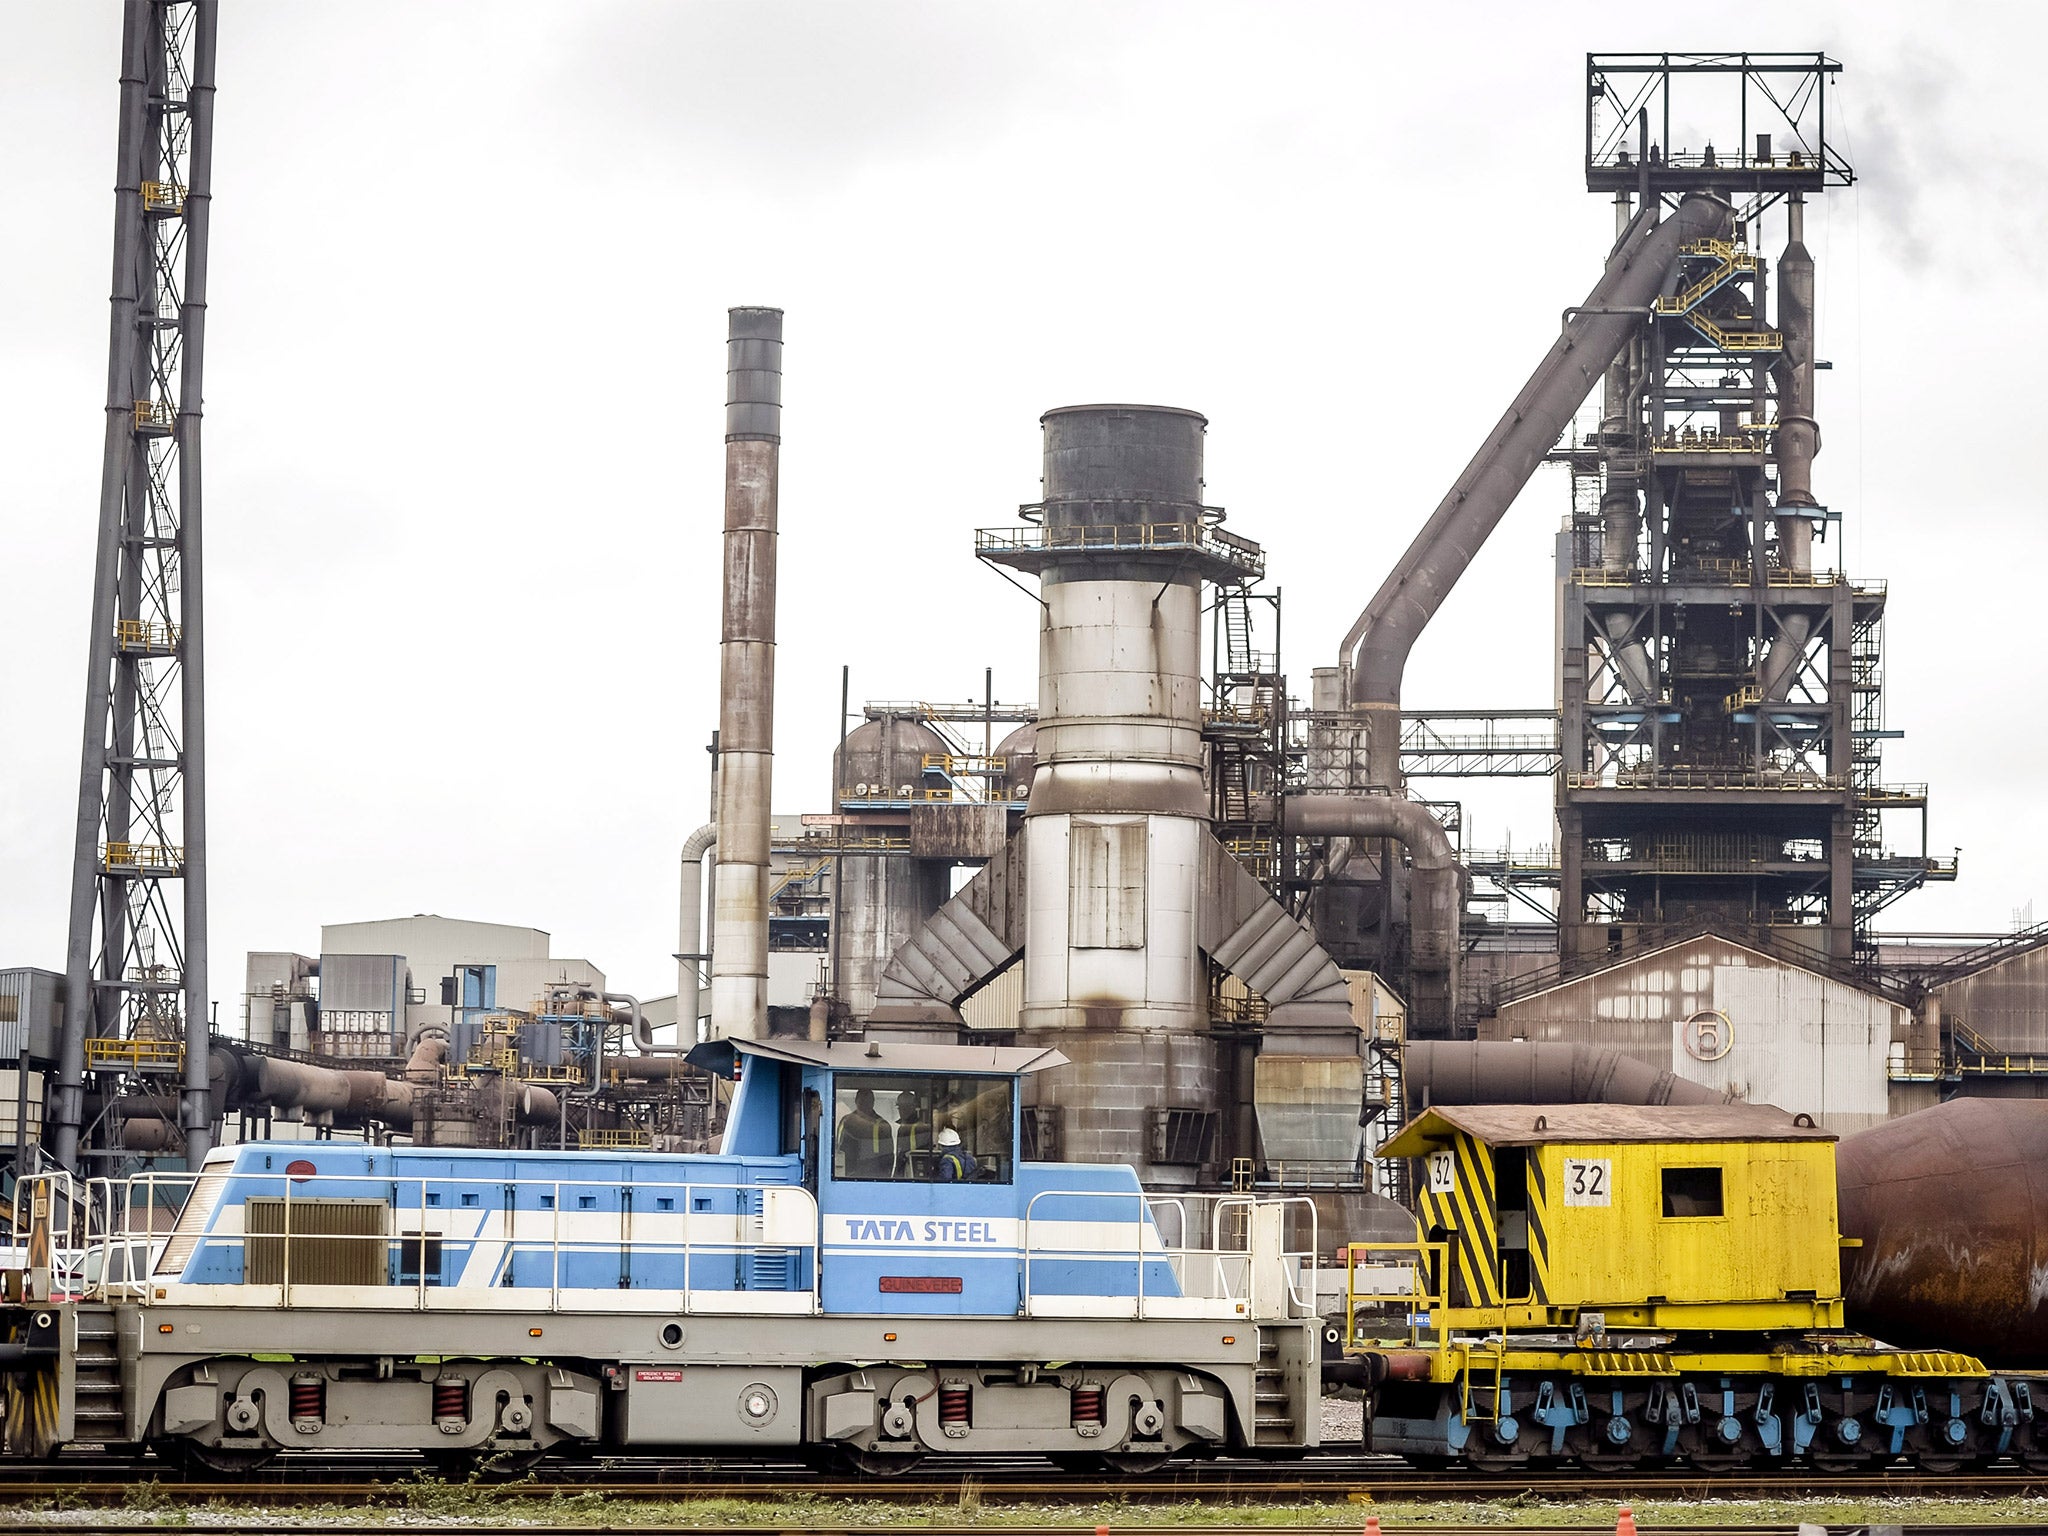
(309, 1398)
(953, 1406)
(1087, 1405)
(451, 1399)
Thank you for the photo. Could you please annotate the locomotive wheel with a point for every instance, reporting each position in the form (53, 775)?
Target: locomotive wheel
(862, 1463)
(1135, 1463)
(212, 1461)
(478, 1465)
(1080, 1463)
(1122, 1463)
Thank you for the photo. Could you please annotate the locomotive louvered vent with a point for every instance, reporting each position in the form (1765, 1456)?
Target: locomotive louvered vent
(333, 1242)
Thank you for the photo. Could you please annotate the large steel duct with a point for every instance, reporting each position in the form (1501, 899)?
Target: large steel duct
(1375, 651)
(247, 1080)
(1437, 898)
(1537, 1072)
(1621, 500)
(746, 712)
(690, 954)
(1797, 441)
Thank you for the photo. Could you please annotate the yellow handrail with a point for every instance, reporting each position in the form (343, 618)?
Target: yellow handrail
(141, 856)
(104, 1053)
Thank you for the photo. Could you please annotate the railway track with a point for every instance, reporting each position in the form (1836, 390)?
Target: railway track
(374, 1480)
(925, 1528)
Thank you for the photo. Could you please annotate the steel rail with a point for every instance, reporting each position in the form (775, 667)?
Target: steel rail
(386, 1483)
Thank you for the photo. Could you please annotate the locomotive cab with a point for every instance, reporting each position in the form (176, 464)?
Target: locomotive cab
(923, 1203)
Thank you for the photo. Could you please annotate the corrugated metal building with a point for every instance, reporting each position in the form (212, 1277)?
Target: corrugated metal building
(1720, 1013)
(31, 1011)
(2003, 1008)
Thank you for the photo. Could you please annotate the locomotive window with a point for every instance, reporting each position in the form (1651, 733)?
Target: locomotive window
(889, 1127)
(414, 1249)
(1692, 1192)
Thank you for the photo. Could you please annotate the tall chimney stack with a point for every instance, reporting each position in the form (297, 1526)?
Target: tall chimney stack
(746, 650)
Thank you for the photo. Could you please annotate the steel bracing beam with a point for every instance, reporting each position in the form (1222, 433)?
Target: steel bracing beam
(1480, 743)
(135, 963)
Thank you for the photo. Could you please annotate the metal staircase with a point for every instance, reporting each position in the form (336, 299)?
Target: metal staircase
(96, 1380)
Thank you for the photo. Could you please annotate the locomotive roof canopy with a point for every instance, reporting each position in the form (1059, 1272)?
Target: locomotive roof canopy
(879, 1056)
(1531, 1125)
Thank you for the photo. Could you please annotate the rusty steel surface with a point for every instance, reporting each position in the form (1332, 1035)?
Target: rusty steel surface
(1951, 1205)
(746, 714)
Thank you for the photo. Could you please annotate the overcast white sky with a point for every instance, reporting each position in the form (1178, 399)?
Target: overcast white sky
(471, 263)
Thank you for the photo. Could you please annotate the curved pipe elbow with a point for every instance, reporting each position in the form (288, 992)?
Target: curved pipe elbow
(1408, 822)
(1375, 650)
(639, 1031)
(1438, 879)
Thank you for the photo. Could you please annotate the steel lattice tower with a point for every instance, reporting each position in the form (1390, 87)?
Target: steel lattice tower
(136, 1000)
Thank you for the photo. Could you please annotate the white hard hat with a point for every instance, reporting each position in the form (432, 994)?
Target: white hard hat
(949, 1137)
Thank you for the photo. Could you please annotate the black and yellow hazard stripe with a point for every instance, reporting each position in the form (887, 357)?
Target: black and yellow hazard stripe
(1469, 1214)
(32, 1415)
(1539, 1239)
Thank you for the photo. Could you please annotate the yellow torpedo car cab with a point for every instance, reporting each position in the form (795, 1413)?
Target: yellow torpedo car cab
(1665, 1216)
(1626, 1285)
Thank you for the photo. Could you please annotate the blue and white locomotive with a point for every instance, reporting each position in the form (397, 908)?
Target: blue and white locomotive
(866, 1270)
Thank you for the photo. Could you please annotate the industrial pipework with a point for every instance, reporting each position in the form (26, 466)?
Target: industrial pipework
(1438, 900)
(1796, 442)
(1116, 890)
(1538, 1072)
(1375, 651)
(746, 710)
(690, 953)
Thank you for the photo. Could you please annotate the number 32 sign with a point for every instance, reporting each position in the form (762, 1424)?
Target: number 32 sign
(1588, 1181)
(1443, 1172)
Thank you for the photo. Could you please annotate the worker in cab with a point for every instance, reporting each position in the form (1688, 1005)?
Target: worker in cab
(954, 1164)
(867, 1145)
(913, 1137)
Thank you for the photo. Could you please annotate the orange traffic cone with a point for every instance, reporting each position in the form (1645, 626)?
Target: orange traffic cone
(1625, 1522)
(1372, 1525)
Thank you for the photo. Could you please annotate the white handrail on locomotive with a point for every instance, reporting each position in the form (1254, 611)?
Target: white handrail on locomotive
(1176, 1258)
(112, 1219)
(125, 1210)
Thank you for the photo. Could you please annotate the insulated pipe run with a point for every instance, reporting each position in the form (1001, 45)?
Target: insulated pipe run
(1375, 652)
(1436, 897)
(1537, 1072)
(690, 929)
(1798, 440)
(746, 714)
(640, 1032)
(195, 1106)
